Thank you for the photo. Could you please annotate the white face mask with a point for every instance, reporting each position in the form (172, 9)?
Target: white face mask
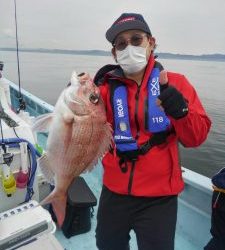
(132, 59)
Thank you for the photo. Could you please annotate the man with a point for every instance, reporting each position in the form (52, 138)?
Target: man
(217, 241)
(142, 173)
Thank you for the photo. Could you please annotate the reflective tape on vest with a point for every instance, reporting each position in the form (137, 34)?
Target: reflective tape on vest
(122, 132)
(157, 119)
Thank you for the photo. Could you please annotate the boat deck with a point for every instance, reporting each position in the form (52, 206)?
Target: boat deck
(87, 241)
(192, 227)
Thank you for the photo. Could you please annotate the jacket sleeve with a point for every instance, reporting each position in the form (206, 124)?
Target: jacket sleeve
(192, 130)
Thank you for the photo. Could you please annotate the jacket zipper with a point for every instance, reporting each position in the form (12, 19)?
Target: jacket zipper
(138, 130)
(136, 111)
(131, 177)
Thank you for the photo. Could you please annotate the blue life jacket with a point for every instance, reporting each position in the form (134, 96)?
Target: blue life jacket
(157, 121)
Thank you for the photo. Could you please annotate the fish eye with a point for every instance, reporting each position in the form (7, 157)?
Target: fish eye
(94, 98)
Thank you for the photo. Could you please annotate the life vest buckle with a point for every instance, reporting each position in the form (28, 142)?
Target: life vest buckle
(125, 157)
(123, 166)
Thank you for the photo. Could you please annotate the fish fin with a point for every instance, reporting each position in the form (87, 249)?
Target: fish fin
(105, 143)
(42, 123)
(106, 140)
(43, 163)
(92, 164)
(58, 201)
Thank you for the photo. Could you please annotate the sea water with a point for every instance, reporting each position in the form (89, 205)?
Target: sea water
(45, 75)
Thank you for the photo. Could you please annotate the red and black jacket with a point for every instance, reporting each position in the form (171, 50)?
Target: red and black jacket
(158, 172)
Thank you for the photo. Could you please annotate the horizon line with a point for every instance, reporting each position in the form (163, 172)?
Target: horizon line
(103, 51)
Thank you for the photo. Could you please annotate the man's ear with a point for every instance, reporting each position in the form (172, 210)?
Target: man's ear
(152, 42)
(113, 51)
(151, 47)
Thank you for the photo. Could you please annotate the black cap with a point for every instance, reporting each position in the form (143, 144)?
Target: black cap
(127, 21)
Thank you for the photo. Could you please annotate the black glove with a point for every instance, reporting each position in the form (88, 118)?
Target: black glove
(173, 102)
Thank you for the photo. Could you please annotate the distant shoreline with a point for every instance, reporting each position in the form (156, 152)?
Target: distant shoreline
(206, 57)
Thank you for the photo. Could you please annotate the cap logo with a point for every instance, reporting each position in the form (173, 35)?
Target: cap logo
(127, 19)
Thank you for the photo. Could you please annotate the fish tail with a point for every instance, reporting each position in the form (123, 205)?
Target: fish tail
(44, 165)
(58, 201)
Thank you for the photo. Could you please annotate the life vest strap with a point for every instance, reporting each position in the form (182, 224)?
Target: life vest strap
(156, 139)
(132, 155)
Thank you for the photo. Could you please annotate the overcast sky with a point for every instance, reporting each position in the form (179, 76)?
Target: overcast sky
(179, 26)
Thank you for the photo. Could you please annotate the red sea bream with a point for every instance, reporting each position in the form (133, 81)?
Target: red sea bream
(78, 136)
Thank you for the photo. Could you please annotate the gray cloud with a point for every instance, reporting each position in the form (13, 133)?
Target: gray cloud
(189, 27)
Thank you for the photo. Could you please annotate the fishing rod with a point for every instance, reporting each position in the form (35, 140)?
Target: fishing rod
(22, 103)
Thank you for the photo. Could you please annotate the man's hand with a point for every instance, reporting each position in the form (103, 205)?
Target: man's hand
(170, 99)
